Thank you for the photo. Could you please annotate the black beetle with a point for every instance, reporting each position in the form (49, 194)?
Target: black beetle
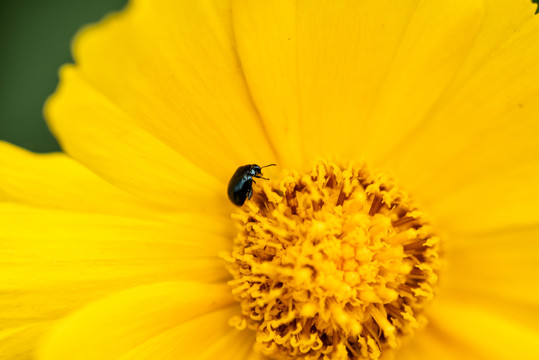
(240, 186)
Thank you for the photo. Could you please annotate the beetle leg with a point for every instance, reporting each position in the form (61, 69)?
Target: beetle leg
(249, 193)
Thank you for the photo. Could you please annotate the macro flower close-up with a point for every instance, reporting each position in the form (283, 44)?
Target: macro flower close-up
(256, 180)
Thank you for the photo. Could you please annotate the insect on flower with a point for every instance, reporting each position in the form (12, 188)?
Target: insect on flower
(240, 186)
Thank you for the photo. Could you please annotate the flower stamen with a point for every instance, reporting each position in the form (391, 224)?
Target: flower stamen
(334, 264)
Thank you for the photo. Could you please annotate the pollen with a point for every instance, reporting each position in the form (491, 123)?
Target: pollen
(336, 264)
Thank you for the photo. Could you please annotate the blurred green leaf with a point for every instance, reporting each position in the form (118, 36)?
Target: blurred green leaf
(35, 38)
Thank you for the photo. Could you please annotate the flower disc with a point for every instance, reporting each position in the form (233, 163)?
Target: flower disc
(333, 264)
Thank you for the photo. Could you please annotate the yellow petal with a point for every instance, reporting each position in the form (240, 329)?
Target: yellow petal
(497, 271)
(431, 343)
(20, 342)
(265, 32)
(502, 19)
(336, 78)
(474, 162)
(157, 101)
(55, 181)
(54, 261)
(253, 355)
(484, 332)
(170, 320)
(429, 55)
(488, 303)
(106, 140)
(499, 23)
(501, 198)
(207, 337)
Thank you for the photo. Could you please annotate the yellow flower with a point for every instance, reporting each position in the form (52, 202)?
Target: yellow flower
(127, 247)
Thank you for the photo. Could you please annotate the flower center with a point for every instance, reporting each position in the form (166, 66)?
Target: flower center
(332, 264)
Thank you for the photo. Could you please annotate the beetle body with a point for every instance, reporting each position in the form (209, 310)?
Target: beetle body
(240, 186)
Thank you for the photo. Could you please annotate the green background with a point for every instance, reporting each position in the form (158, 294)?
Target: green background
(35, 37)
(35, 40)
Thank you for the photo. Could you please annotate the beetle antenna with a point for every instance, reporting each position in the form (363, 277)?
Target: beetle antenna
(268, 165)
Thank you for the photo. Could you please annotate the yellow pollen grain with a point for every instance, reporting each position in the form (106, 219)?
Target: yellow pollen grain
(336, 263)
